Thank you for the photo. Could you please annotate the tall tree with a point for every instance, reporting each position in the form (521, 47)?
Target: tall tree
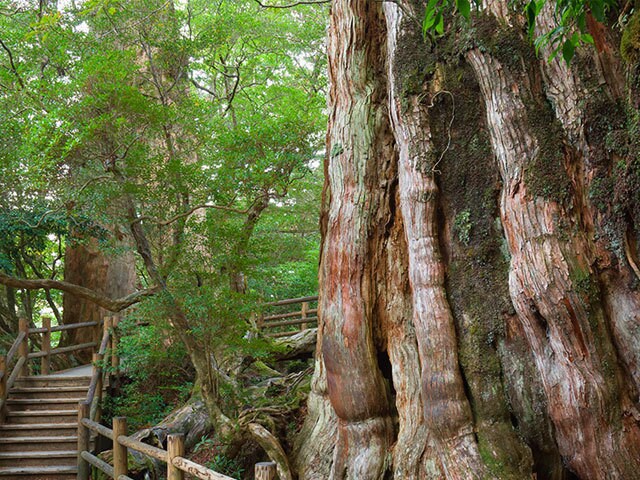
(479, 276)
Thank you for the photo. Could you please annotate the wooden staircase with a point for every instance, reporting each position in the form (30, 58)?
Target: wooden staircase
(38, 440)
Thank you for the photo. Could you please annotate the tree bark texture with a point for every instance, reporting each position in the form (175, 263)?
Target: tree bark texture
(113, 276)
(479, 304)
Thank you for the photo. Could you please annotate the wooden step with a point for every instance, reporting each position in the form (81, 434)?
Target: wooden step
(39, 429)
(38, 443)
(51, 381)
(29, 417)
(22, 404)
(39, 473)
(67, 458)
(48, 392)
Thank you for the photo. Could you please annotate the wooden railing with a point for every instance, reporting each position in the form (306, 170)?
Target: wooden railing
(279, 321)
(89, 422)
(10, 371)
(173, 457)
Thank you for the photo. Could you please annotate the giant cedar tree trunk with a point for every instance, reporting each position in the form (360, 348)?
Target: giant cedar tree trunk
(111, 275)
(479, 283)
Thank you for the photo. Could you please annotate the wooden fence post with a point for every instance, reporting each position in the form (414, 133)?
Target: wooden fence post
(83, 441)
(115, 360)
(3, 386)
(265, 471)
(23, 350)
(96, 407)
(120, 453)
(303, 315)
(175, 448)
(45, 362)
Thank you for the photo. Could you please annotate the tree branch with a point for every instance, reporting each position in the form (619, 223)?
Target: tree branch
(13, 65)
(164, 223)
(113, 305)
(291, 5)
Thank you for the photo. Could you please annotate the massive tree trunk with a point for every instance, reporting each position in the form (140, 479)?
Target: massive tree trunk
(113, 275)
(479, 294)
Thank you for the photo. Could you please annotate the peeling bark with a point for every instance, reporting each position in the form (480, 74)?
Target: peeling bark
(476, 320)
(569, 339)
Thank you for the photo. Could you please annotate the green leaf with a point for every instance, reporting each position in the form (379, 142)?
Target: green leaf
(464, 7)
(568, 50)
(586, 38)
(440, 24)
(530, 12)
(597, 8)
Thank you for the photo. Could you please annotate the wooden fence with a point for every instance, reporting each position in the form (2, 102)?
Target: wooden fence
(10, 371)
(278, 320)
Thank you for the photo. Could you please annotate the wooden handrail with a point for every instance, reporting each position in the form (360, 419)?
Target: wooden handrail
(58, 351)
(302, 317)
(286, 323)
(173, 456)
(288, 315)
(63, 328)
(14, 348)
(290, 301)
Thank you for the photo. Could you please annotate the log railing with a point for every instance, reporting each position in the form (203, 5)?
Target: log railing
(173, 456)
(278, 321)
(19, 351)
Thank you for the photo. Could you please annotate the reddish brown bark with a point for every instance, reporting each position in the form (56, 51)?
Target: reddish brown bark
(113, 276)
(397, 304)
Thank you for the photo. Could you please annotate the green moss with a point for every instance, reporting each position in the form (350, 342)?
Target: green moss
(546, 175)
(462, 226)
(630, 42)
(477, 279)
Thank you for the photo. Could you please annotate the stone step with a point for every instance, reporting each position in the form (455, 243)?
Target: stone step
(39, 473)
(38, 443)
(29, 417)
(68, 458)
(24, 404)
(51, 381)
(48, 392)
(39, 429)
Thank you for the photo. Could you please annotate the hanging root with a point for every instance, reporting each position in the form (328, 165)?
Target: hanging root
(272, 446)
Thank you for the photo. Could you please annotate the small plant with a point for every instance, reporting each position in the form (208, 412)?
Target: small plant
(226, 466)
(204, 443)
(462, 226)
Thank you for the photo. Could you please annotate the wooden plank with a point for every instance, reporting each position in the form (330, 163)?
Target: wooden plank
(96, 462)
(291, 301)
(265, 471)
(58, 351)
(46, 346)
(175, 448)
(83, 441)
(198, 471)
(73, 326)
(96, 427)
(16, 371)
(289, 315)
(14, 348)
(282, 334)
(23, 348)
(120, 460)
(153, 452)
(285, 323)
